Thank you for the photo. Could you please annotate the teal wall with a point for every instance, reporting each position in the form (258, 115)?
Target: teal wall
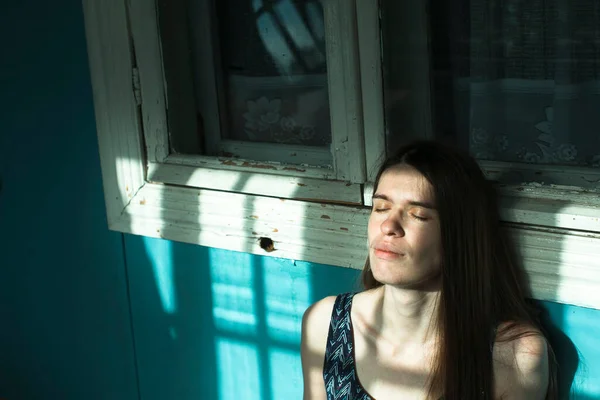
(65, 330)
(90, 314)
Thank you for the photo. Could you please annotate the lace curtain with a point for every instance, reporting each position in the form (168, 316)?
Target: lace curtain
(527, 79)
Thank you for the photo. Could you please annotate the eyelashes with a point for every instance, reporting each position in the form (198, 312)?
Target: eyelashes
(382, 210)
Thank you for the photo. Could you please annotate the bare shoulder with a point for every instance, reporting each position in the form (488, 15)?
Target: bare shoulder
(521, 346)
(521, 362)
(315, 323)
(315, 328)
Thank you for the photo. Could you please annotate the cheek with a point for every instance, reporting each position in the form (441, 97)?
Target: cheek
(433, 249)
(429, 241)
(372, 228)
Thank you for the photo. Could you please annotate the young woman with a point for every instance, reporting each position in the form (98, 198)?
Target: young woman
(443, 313)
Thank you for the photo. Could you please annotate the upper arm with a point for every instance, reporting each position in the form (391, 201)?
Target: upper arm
(315, 327)
(521, 370)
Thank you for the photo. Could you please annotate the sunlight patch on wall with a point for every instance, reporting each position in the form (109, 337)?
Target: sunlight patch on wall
(287, 295)
(232, 291)
(161, 257)
(286, 374)
(238, 370)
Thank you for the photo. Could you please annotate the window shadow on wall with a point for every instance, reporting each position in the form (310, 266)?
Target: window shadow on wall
(211, 323)
(172, 308)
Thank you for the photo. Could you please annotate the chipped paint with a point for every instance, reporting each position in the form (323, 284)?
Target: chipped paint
(333, 202)
(262, 166)
(325, 216)
(294, 169)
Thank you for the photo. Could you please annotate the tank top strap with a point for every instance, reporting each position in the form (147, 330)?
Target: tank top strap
(339, 338)
(339, 368)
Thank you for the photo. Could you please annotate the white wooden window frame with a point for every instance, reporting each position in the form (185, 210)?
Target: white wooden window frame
(149, 192)
(341, 183)
(208, 67)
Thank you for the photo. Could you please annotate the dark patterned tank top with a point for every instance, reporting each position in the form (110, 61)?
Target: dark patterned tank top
(339, 369)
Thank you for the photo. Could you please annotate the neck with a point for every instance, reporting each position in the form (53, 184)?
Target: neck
(409, 315)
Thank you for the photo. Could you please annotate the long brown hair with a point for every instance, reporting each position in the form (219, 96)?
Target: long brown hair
(482, 284)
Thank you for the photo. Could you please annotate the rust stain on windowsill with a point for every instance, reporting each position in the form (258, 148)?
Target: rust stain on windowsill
(263, 166)
(294, 169)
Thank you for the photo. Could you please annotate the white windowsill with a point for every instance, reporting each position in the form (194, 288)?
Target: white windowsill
(563, 265)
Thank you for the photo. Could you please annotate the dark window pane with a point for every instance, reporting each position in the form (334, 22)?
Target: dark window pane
(511, 80)
(257, 73)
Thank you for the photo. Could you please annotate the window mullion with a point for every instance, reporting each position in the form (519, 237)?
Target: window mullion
(369, 40)
(343, 75)
(209, 79)
(149, 64)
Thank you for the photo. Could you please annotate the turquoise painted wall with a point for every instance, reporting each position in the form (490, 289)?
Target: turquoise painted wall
(65, 330)
(83, 309)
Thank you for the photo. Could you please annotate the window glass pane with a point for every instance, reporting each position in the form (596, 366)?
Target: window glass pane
(259, 73)
(512, 80)
(274, 68)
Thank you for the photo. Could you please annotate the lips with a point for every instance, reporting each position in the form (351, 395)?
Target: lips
(387, 248)
(387, 252)
(386, 255)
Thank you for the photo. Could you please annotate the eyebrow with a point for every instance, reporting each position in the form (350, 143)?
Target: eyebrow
(411, 202)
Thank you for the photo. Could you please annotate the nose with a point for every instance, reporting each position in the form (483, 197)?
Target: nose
(392, 226)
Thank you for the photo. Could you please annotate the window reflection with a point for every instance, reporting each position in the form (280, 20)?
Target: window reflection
(274, 71)
(515, 81)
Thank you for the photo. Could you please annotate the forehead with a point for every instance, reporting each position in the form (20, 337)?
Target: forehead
(403, 182)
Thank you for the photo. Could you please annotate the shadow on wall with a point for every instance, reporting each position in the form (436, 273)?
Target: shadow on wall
(63, 305)
(219, 324)
(565, 351)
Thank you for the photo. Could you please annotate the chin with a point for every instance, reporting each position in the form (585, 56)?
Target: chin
(387, 277)
(403, 279)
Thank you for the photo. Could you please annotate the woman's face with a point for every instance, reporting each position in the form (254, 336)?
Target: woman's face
(404, 230)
